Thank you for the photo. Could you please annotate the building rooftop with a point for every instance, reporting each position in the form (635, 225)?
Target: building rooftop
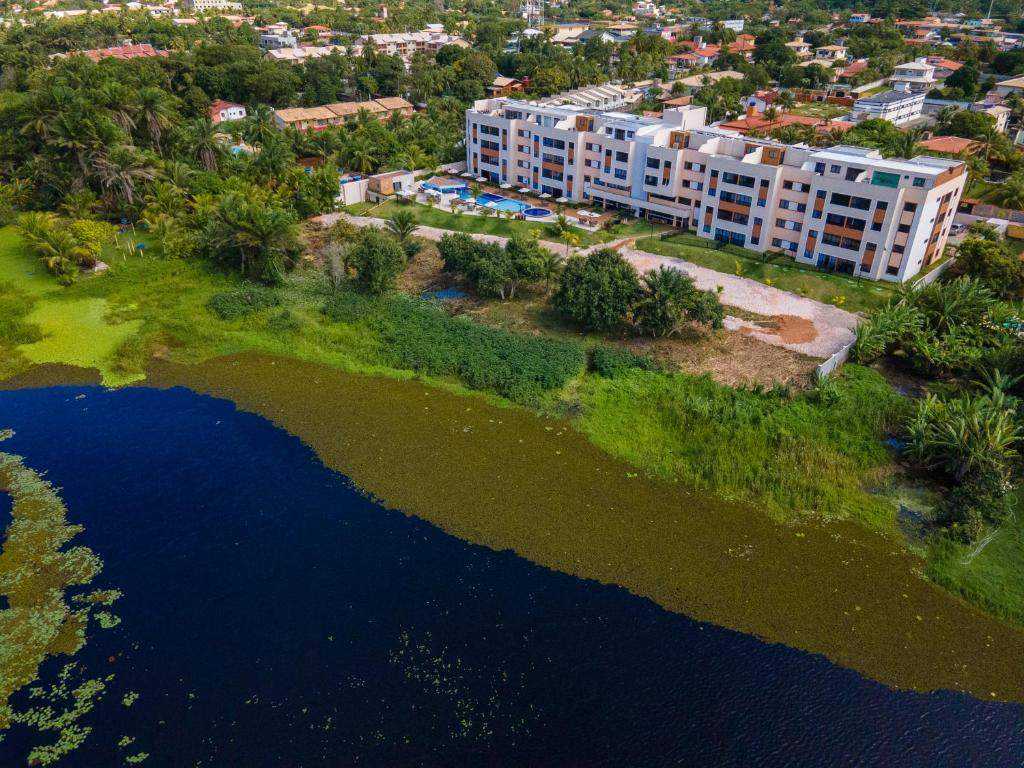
(889, 97)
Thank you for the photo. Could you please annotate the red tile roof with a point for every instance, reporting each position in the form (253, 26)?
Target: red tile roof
(140, 51)
(949, 145)
(758, 123)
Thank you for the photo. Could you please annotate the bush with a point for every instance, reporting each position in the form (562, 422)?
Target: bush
(615, 361)
(284, 322)
(232, 305)
(597, 291)
(378, 259)
(425, 338)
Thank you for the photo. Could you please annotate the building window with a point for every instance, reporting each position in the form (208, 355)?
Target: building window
(652, 163)
(651, 180)
(819, 168)
(918, 181)
(881, 205)
(876, 226)
(909, 207)
(834, 169)
(892, 270)
(622, 157)
(620, 173)
(904, 228)
(787, 185)
(821, 194)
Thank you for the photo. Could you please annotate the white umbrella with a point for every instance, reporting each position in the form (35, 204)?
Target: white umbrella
(481, 178)
(505, 185)
(562, 200)
(524, 190)
(466, 175)
(544, 195)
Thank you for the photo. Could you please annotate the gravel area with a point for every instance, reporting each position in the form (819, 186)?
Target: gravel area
(834, 327)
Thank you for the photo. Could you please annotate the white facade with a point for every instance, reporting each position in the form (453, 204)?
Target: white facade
(916, 76)
(844, 208)
(896, 107)
(206, 6)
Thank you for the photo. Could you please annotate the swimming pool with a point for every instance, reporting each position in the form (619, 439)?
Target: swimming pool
(497, 202)
(536, 213)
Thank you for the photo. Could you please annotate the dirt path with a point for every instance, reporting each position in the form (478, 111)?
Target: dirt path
(794, 322)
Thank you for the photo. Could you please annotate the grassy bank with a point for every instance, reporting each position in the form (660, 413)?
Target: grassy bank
(782, 272)
(793, 454)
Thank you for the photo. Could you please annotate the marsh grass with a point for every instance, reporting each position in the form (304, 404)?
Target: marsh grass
(792, 454)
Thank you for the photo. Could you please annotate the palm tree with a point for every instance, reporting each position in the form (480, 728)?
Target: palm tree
(403, 224)
(412, 158)
(906, 144)
(786, 101)
(120, 170)
(359, 155)
(201, 142)
(550, 268)
(156, 113)
(261, 124)
(977, 169)
(1010, 194)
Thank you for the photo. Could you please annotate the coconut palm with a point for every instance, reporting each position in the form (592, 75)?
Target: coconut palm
(786, 100)
(201, 144)
(120, 170)
(403, 224)
(156, 112)
(1009, 194)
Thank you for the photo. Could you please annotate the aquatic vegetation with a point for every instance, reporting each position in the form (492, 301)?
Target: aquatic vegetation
(36, 571)
(129, 698)
(137, 758)
(61, 707)
(107, 620)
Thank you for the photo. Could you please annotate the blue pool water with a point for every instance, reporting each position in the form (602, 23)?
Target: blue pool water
(274, 616)
(536, 212)
(497, 202)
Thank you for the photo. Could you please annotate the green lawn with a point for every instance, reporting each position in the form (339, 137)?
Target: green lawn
(780, 271)
(820, 109)
(990, 574)
(495, 225)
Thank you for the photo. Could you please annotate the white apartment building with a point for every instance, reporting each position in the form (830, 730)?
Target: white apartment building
(916, 76)
(897, 107)
(208, 6)
(844, 208)
(405, 44)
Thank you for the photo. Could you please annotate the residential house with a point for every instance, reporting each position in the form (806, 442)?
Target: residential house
(332, 115)
(505, 86)
(223, 111)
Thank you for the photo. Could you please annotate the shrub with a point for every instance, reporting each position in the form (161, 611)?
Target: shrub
(669, 299)
(615, 361)
(597, 291)
(232, 305)
(456, 250)
(284, 322)
(425, 338)
(378, 259)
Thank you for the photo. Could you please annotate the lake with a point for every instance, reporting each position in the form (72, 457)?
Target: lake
(274, 615)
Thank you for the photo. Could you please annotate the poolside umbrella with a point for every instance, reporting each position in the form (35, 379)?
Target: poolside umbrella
(466, 175)
(505, 185)
(524, 190)
(481, 178)
(562, 200)
(544, 195)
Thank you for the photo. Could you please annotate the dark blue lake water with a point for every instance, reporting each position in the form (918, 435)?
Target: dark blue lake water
(273, 616)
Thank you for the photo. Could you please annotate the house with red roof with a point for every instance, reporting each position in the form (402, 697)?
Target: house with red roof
(129, 51)
(222, 111)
